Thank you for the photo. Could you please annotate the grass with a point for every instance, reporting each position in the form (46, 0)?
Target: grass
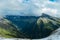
(4, 33)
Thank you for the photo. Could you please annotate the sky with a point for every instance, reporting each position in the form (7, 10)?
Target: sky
(30, 7)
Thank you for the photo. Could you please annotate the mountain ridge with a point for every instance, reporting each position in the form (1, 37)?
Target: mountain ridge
(35, 27)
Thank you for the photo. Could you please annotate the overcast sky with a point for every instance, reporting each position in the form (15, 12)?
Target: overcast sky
(30, 7)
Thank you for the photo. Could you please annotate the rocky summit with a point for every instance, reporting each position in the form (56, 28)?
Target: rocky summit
(47, 24)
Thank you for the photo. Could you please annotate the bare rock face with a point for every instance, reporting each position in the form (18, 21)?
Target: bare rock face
(47, 24)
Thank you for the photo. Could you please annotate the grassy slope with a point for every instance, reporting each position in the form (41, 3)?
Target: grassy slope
(5, 33)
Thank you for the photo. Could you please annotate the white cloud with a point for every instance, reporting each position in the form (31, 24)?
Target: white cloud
(30, 7)
(49, 10)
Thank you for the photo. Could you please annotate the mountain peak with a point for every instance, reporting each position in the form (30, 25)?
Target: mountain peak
(45, 15)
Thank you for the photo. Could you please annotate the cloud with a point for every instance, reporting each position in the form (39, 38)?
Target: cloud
(49, 10)
(29, 7)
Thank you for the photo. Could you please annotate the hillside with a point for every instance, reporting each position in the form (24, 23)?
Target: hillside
(9, 30)
(34, 27)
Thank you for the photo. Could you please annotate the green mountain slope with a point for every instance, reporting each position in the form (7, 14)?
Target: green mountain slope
(9, 30)
(29, 27)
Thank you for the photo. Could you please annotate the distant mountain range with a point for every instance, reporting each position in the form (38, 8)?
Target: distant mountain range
(33, 27)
